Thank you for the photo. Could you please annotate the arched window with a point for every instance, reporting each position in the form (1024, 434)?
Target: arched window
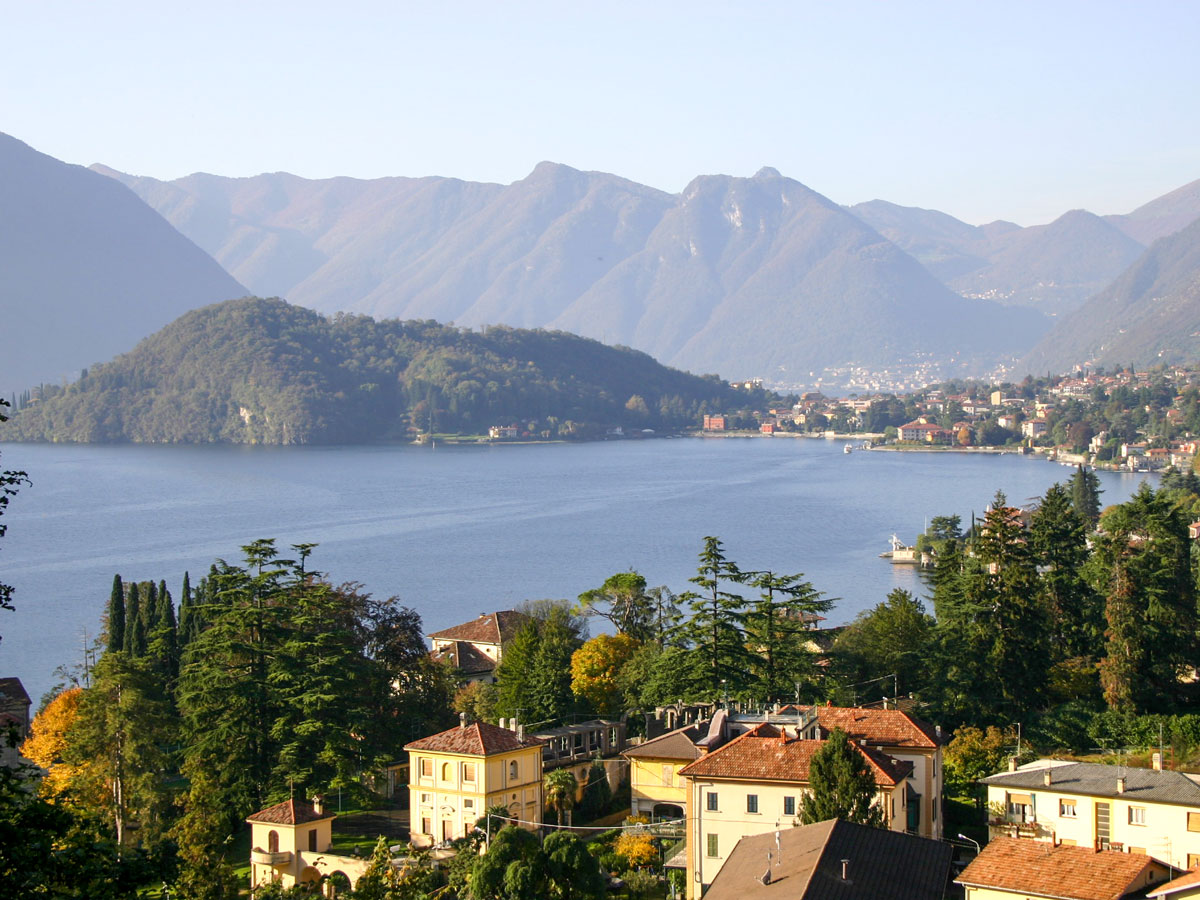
(272, 841)
(446, 770)
(513, 770)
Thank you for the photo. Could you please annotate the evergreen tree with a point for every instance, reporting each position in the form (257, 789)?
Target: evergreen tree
(1085, 495)
(1058, 535)
(841, 785)
(513, 675)
(893, 638)
(183, 629)
(778, 629)
(550, 692)
(133, 614)
(717, 626)
(116, 616)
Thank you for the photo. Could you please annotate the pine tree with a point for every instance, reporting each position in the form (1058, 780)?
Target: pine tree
(183, 630)
(778, 630)
(1058, 535)
(1085, 495)
(841, 785)
(116, 616)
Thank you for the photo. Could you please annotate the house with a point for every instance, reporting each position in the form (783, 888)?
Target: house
(475, 648)
(576, 747)
(1010, 869)
(714, 423)
(454, 776)
(657, 789)
(834, 859)
(14, 713)
(754, 783)
(291, 843)
(503, 432)
(902, 737)
(1185, 887)
(1034, 428)
(1147, 812)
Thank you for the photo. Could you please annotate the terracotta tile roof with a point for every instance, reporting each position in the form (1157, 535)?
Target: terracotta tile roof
(764, 754)
(290, 812)
(464, 657)
(882, 865)
(1191, 879)
(1070, 873)
(489, 628)
(677, 744)
(889, 727)
(476, 739)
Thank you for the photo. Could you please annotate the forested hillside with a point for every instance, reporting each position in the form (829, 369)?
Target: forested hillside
(263, 371)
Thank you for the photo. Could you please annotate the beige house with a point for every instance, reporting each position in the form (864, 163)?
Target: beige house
(755, 784)
(456, 775)
(1009, 869)
(290, 844)
(657, 790)
(1147, 812)
(475, 648)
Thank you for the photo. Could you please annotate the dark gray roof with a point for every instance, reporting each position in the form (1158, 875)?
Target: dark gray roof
(677, 744)
(1096, 780)
(882, 865)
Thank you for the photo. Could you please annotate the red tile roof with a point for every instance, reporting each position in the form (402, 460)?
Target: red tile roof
(464, 657)
(476, 739)
(765, 754)
(887, 727)
(489, 628)
(290, 812)
(1190, 879)
(1070, 873)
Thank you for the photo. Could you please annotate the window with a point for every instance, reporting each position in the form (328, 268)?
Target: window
(1066, 809)
(1193, 821)
(468, 771)
(752, 803)
(711, 801)
(446, 770)
(789, 806)
(427, 799)
(712, 845)
(312, 841)
(1137, 815)
(426, 768)
(514, 769)
(273, 842)
(426, 825)
(468, 803)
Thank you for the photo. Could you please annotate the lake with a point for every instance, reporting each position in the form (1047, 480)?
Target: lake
(458, 531)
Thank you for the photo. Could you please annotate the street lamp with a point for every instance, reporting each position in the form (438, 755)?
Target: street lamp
(973, 841)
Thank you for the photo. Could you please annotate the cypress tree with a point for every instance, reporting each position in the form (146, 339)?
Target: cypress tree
(136, 645)
(149, 606)
(133, 614)
(116, 615)
(185, 602)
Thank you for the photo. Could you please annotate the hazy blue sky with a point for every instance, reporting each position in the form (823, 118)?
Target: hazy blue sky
(985, 110)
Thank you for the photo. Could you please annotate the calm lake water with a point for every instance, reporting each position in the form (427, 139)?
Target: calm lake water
(458, 531)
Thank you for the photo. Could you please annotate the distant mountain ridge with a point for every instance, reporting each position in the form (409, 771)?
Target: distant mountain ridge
(88, 269)
(1150, 315)
(744, 276)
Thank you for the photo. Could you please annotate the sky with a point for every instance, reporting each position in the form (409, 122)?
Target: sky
(984, 110)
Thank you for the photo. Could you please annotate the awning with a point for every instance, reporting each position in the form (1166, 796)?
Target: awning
(1020, 799)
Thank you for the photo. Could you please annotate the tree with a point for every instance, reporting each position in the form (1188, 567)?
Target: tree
(1058, 536)
(571, 872)
(974, 753)
(1085, 494)
(478, 700)
(116, 615)
(534, 677)
(118, 742)
(841, 785)
(778, 629)
(560, 787)
(510, 868)
(894, 638)
(623, 601)
(1141, 565)
(597, 795)
(717, 625)
(636, 848)
(595, 668)
(47, 742)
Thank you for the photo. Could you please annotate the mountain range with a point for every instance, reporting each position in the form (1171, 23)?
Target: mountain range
(758, 276)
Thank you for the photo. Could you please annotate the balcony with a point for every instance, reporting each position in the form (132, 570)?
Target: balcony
(1015, 826)
(267, 858)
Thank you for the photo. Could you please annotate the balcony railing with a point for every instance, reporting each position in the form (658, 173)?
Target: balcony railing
(269, 858)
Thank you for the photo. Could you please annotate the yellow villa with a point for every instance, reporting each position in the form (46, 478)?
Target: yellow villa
(754, 784)
(290, 844)
(1147, 812)
(456, 775)
(656, 787)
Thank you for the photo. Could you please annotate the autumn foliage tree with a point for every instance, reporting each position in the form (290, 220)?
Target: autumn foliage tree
(595, 668)
(47, 741)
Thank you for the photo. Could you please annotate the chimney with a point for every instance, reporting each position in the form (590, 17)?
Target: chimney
(845, 870)
(462, 720)
(1156, 761)
(1121, 785)
(520, 732)
(937, 730)
(1046, 777)
(1012, 764)
(318, 804)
